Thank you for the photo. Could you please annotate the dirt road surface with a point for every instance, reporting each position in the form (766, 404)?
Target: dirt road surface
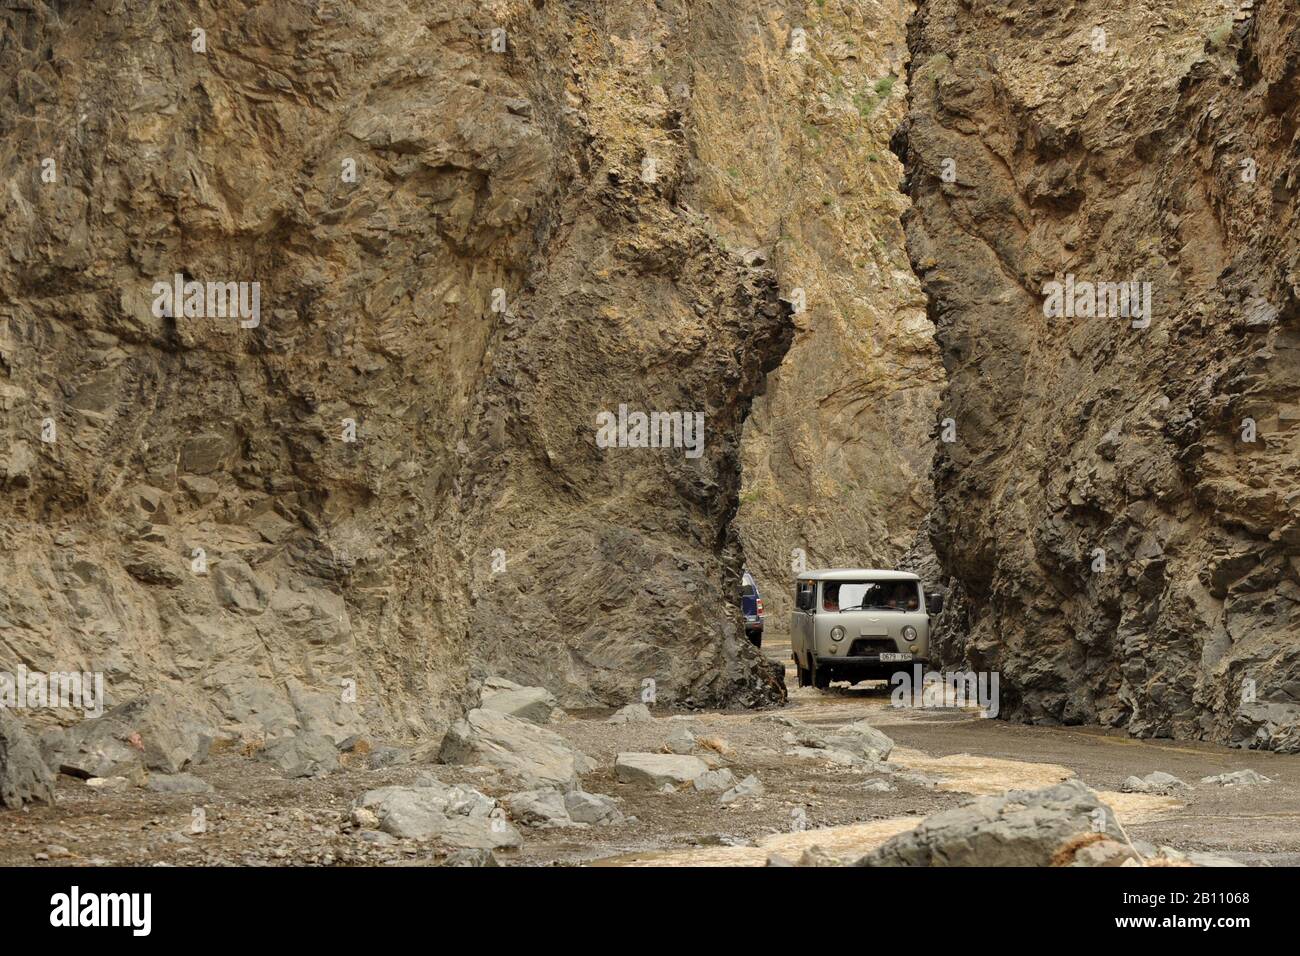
(255, 817)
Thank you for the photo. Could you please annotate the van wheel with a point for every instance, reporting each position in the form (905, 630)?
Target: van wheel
(805, 678)
(821, 678)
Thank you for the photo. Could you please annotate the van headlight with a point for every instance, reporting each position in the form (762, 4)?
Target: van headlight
(837, 633)
(909, 633)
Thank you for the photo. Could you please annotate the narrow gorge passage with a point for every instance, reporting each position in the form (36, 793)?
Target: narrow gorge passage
(649, 435)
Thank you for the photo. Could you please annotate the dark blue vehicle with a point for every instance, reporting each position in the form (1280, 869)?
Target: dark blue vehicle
(752, 604)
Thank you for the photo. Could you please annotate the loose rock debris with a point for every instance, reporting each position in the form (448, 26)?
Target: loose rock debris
(508, 790)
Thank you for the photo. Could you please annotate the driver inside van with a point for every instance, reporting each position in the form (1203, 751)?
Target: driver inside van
(903, 597)
(831, 596)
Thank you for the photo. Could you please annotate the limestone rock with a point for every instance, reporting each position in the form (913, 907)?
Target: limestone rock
(1019, 828)
(457, 816)
(715, 780)
(1237, 778)
(586, 807)
(751, 786)
(539, 808)
(521, 749)
(656, 771)
(24, 775)
(303, 754)
(680, 740)
(1155, 782)
(632, 714)
(155, 731)
(527, 703)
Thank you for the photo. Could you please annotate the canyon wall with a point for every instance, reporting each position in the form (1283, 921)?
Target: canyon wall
(1120, 505)
(472, 231)
(477, 227)
(838, 450)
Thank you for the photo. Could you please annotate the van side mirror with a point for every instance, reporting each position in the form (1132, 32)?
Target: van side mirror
(933, 602)
(804, 599)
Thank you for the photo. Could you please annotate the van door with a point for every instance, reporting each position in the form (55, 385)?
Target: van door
(801, 620)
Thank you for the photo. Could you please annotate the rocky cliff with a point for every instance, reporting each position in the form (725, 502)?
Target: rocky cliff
(326, 331)
(1120, 503)
(461, 233)
(838, 449)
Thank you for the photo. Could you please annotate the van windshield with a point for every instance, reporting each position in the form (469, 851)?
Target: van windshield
(873, 595)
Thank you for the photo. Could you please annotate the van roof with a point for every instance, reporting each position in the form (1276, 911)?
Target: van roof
(854, 574)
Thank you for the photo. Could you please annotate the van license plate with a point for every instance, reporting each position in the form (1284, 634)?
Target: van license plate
(892, 658)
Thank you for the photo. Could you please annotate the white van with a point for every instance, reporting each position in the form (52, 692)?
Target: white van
(859, 624)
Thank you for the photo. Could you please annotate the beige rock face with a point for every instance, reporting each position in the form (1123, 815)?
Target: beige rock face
(472, 229)
(1154, 143)
(463, 256)
(838, 448)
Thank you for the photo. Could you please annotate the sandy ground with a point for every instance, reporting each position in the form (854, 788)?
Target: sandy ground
(254, 817)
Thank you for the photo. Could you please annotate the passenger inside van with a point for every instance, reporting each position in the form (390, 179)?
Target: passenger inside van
(851, 595)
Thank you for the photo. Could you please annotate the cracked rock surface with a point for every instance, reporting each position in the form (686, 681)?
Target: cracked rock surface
(1120, 510)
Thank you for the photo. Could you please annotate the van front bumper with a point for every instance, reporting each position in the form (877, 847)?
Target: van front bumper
(869, 664)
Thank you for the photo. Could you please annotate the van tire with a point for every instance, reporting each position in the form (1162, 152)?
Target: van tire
(821, 678)
(805, 678)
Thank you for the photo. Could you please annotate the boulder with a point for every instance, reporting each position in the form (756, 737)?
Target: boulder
(681, 740)
(539, 808)
(858, 740)
(715, 780)
(153, 731)
(658, 770)
(24, 775)
(382, 757)
(1018, 828)
(592, 808)
(1098, 850)
(531, 754)
(631, 714)
(1156, 782)
(751, 786)
(257, 708)
(818, 856)
(1238, 778)
(840, 758)
(862, 740)
(457, 816)
(535, 704)
(304, 754)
